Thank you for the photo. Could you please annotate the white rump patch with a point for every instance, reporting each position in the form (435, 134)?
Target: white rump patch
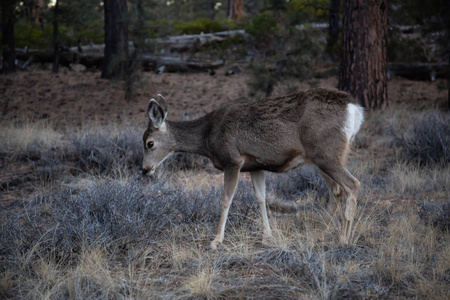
(355, 117)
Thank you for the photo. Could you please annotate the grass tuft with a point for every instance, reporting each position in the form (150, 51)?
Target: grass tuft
(29, 140)
(427, 139)
(201, 285)
(107, 150)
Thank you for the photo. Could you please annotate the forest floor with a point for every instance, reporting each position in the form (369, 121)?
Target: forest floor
(75, 98)
(78, 219)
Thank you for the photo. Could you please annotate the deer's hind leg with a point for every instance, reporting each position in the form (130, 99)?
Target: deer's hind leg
(350, 206)
(350, 187)
(335, 197)
(259, 186)
(341, 183)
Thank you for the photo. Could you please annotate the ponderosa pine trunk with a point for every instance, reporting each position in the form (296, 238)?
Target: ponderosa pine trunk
(56, 48)
(8, 44)
(116, 39)
(236, 9)
(363, 59)
(333, 25)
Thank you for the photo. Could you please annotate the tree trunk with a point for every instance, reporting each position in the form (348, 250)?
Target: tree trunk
(363, 59)
(32, 10)
(135, 65)
(236, 9)
(116, 39)
(8, 44)
(56, 48)
(333, 28)
(448, 82)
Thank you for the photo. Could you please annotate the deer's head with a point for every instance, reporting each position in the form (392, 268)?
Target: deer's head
(157, 142)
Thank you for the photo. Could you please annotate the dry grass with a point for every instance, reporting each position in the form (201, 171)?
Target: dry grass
(407, 257)
(104, 232)
(201, 285)
(409, 178)
(17, 138)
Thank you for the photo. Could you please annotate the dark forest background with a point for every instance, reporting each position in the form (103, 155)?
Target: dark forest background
(278, 38)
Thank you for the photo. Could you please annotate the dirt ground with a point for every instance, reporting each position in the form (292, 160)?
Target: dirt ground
(73, 99)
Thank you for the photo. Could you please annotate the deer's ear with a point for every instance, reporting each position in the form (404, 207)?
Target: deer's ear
(157, 112)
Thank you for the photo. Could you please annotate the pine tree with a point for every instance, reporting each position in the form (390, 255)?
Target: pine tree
(8, 44)
(363, 59)
(116, 39)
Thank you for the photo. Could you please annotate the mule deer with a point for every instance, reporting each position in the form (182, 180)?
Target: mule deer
(312, 127)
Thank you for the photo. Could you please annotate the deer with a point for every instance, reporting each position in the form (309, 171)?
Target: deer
(313, 127)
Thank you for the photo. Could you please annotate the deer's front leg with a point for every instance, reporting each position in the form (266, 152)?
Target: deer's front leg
(231, 177)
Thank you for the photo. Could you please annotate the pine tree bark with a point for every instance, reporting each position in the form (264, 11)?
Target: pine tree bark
(116, 39)
(363, 59)
(8, 44)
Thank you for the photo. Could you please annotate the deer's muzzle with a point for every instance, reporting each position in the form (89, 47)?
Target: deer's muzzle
(148, 170)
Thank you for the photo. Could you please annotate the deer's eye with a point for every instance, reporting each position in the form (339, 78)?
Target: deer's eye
(150, 144)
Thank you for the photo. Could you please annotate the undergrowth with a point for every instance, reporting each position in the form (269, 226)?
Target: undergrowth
(103, 230)
(427, 139)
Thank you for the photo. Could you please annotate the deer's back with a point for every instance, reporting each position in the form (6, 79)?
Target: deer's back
(278, 133)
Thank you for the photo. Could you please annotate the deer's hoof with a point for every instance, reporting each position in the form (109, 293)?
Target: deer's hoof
(213, 246)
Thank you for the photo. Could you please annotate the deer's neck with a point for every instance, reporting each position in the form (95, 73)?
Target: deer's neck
(189, 136)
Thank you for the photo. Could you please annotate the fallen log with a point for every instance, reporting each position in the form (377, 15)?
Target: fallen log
(92, 60)
(418, 71)
(184, 42)
(95, 60)
(174, 64)
(178, 43)
(91, 56)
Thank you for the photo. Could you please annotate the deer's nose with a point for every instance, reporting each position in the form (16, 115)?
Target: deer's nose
(148, 170)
